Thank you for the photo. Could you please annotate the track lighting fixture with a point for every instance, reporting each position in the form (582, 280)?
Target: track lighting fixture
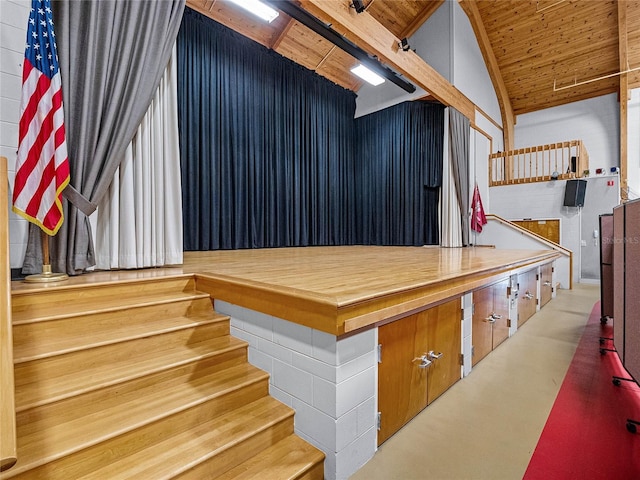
(404, 45)
(358, 5)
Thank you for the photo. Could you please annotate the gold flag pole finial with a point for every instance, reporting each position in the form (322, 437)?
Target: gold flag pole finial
(47, 274)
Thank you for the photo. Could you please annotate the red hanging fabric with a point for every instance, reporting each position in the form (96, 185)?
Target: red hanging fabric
(478, 218)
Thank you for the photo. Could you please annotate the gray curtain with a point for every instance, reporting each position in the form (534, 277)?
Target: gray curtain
(459, 152)
(112, 55)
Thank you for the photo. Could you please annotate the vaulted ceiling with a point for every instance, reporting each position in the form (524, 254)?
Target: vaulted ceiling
(540, 53)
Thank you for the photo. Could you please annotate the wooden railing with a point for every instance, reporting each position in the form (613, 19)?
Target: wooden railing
(555, 161)
(7, 398)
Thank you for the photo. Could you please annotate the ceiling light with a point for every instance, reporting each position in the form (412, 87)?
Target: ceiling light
(258, 8)
(367, 75)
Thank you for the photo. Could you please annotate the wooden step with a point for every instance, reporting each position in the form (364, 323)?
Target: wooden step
(73, 299)
(40, 339)
(53, 379)
(163, 449)
(210, 449)
(290, 459)
(50, 432)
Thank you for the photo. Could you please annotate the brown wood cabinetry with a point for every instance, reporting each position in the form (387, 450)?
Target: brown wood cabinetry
(420, 359)
(527, 295)
(490, 319)
(546, 284)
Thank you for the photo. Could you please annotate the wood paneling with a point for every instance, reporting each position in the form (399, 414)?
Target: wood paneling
(8, 453)
(548, 228)
(576, 40)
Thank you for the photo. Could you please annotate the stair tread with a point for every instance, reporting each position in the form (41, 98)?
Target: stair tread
(287, 459)
(43, 346)
(55, 388)
(90, 305)
(197, 444)
(59, 434)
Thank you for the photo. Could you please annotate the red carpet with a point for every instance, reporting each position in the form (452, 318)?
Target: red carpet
(585, 436)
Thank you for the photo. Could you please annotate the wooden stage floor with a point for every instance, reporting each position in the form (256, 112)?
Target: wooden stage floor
(337, 289)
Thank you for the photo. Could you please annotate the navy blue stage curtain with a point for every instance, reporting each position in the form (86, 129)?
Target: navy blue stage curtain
(266, 146)
(399, 163)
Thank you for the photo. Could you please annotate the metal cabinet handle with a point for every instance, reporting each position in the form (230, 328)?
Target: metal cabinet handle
(528, 296)
(424, 361)
(492, 318)
(434, 355)
(547, 283)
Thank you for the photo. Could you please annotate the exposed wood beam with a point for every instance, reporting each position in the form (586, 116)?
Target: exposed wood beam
(283, 35)
(424, 15)
(372, 37)
(624, 97)
(506, 109)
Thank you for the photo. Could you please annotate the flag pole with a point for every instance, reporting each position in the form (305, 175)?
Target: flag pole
(47, 274)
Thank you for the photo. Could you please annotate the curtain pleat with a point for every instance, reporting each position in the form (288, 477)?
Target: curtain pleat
(272, 156)
(450, 218)
(266, 146)
(459, 157)
(140, 218)
(399, 162)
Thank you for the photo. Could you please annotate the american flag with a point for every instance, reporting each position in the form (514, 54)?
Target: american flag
(42, 166)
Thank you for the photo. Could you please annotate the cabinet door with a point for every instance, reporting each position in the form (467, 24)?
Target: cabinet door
(527, 296)
(500, 292)
(546, 287)
(445, 340)
(402, 380)
(406, 383)
(481, 331)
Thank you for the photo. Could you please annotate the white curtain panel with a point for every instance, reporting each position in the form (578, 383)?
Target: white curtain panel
(140, 219)
(450, 217)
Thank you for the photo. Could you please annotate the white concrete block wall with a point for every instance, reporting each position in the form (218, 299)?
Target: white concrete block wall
(329, 382)
(13, 27)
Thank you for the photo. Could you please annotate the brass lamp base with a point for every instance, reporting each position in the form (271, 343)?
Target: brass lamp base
(47, 276)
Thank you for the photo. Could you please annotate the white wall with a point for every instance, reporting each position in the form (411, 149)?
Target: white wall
(13, 27)
(545, 201)
(595, 121)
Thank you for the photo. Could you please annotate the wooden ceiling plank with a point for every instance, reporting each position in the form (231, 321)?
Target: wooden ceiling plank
(372, 37)
(506, 110)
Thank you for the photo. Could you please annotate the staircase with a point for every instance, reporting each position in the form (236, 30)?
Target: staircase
(141, 379)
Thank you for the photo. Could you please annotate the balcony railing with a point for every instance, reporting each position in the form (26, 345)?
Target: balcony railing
(555, 161)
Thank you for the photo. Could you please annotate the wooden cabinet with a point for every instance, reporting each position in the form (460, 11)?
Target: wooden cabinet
(527, 295)
(490, 325)
(546, 284)
(420, 359)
